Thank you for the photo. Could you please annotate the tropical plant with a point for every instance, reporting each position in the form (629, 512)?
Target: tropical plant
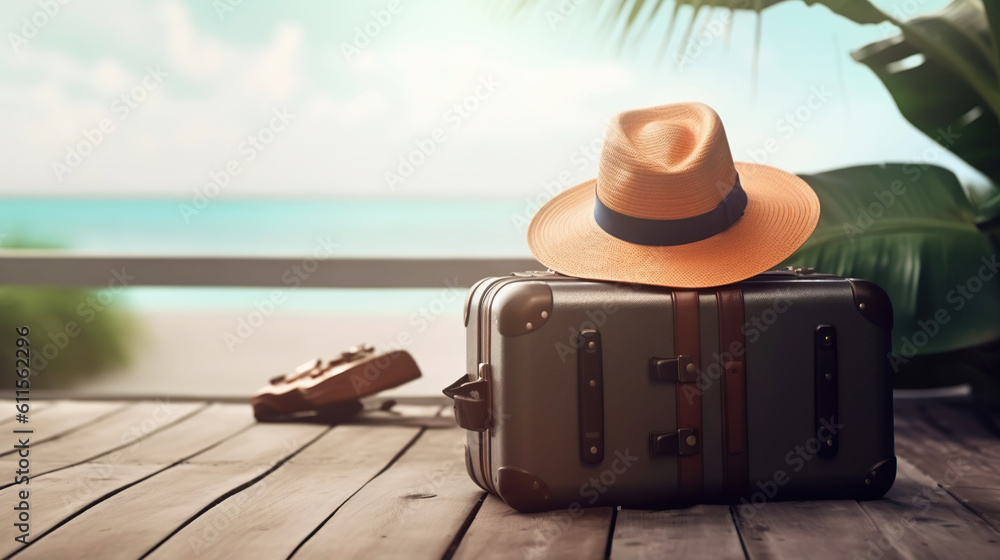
(73, 333)
(912, 228)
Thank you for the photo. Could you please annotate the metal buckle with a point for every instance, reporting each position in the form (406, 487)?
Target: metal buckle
(683, 442)
(678, 370)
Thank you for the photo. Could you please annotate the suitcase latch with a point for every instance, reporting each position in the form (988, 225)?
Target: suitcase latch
(681, 369)
(471, 409)
(683, 442)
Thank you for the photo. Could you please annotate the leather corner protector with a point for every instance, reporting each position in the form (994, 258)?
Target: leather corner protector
(522, 490)
(872, 302)
(522, 307)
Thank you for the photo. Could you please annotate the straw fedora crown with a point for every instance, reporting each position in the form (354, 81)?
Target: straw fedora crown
(670, 207)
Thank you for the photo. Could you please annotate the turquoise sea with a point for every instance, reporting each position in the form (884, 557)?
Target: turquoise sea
(358, 227)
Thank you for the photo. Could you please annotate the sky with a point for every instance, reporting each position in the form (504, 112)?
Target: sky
(420, 98)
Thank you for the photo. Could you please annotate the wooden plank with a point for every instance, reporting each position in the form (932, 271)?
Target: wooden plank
(985, 502)
(47, 493)
(413, 510)
(920, 520)
(61, 419)
(8, 412)
(62, 494)
(817, 530)
(107, 434)
(500, 532)
(700, 532)
(942, 457)
(955, 451)
(270, 518)
(131, 522)
(186, 437)
(962, 422)
(64, 417)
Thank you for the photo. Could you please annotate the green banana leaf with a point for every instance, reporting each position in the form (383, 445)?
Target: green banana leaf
(912, 230)
(104, 340)
(859, 11)
(953, 95)
(638, 14)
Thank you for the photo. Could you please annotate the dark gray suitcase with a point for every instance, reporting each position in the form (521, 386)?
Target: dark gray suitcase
(583, 393)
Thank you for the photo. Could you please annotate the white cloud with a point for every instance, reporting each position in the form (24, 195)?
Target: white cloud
(355, 119)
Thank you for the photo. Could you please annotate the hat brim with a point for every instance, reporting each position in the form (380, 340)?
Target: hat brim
(781, 213)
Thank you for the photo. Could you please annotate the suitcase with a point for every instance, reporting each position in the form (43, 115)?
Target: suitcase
(585, 393)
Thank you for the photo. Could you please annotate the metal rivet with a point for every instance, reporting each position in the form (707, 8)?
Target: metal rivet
(592, 345)
(545, 314)
(874, 473)
(529, 326)
(593, 449)
(868, 481)
(691, 440)
(690, 368)
(861, 306)
(593, 383)
(535, 485)
(829, 377)
(829, 442)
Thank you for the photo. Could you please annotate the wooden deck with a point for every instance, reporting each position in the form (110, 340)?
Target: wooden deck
(202, 480)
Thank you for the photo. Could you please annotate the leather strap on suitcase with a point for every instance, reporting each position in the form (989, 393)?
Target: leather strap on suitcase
(732, 346)
(687, 343)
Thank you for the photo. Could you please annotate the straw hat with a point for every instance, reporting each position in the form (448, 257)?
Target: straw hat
(669, 207)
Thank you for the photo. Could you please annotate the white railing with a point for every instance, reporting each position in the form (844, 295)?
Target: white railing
(29, 267)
